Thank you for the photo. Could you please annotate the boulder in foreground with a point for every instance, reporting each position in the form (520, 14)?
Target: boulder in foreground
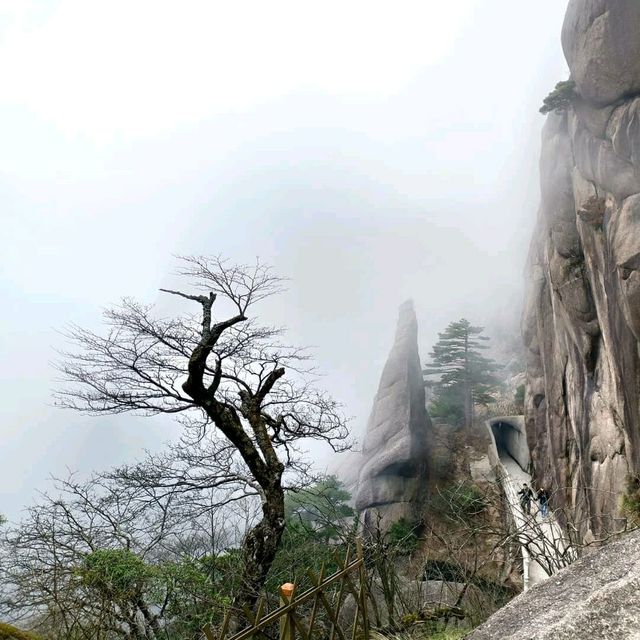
(594, 598)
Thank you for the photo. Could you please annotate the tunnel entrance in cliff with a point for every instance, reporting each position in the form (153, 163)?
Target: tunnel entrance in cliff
(510, 439)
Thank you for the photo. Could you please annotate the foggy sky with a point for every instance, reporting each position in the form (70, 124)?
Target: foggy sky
(371, 151)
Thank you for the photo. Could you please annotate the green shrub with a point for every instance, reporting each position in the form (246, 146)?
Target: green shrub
(631, 499)
(448, 406)
(462, 500)
(321, 509)
(519, 397)
(560, 98)
(402, 535)
(7, 632)
(116, 573)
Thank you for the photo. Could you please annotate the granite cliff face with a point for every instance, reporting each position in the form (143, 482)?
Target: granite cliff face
(582, 318)
(393, 474)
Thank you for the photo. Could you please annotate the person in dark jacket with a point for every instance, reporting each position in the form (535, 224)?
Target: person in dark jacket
(543, 499)
(525, 498)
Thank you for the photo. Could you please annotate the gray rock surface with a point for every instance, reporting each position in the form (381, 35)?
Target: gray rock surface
(594, 598)
(394, 468)
(601, 44)
(581, 324)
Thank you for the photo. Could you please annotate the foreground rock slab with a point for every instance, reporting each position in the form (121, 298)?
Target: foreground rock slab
(594, 598)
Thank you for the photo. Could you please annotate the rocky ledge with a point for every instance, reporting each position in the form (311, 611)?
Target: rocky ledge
(596, 598)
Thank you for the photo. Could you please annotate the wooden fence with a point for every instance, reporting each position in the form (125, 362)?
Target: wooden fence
(300, 614)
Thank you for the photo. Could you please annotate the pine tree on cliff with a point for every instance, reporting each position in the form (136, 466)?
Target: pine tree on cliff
(465, 376)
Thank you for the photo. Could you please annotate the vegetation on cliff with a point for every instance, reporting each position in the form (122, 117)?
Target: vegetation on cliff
(631, 501)
(560, 98)
(464, 376)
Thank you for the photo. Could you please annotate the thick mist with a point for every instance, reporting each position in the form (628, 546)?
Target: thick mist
(371, 153)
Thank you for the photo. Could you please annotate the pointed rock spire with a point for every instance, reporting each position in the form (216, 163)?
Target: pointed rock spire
(393, 475)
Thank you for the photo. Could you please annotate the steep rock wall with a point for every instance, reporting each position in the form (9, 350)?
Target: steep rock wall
(394, 468)
(581, 323)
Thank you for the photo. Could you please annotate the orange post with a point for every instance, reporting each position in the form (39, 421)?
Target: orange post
(287, 630)
(287, 589)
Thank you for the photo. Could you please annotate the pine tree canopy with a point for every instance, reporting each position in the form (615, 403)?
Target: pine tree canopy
(466, 377)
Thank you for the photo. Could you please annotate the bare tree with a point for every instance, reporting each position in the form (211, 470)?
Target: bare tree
(225, 377)
(97, 560)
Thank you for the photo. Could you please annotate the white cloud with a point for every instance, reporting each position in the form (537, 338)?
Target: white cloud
(329, 149)
(104, 68)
